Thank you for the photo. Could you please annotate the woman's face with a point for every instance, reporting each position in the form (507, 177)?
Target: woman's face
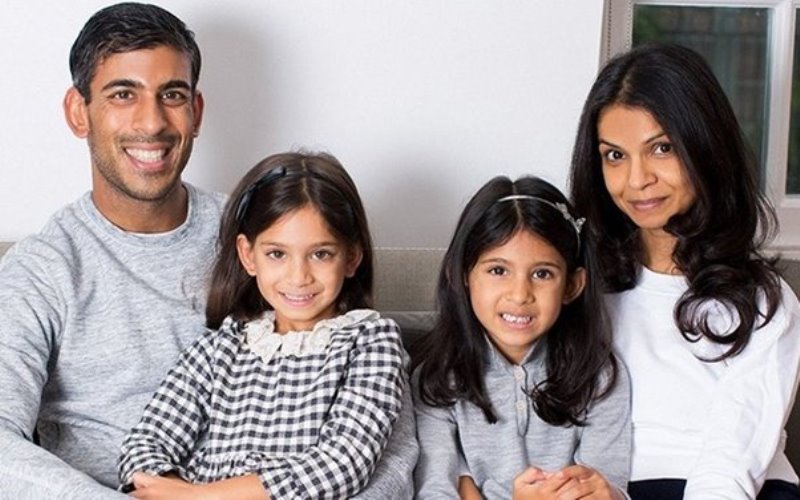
(642, 171)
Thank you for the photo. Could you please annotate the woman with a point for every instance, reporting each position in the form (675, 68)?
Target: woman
(707, 329)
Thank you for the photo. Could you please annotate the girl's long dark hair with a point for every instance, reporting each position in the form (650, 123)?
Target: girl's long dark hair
(276, 186)
(720, 237)
(451, 359)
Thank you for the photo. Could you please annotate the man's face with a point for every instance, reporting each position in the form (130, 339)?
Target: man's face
(140, 123)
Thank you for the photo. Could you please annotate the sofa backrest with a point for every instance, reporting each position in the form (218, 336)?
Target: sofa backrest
(405, 279)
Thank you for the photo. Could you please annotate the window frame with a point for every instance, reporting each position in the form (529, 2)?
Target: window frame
(617, 36)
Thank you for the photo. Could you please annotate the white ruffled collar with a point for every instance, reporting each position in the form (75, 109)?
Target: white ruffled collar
(261, 339)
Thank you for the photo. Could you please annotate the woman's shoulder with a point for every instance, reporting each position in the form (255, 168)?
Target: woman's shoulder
(770, 331)
(787, 312)
(788, 296)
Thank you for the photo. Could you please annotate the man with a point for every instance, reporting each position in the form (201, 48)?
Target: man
(96, 308)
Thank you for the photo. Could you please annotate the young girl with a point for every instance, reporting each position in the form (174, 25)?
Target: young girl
(517, 379)
(709, 332)
(294, 389)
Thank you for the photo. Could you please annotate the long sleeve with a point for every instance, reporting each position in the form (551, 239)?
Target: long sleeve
(749, 410)
(717, 424)
(175, 417)
(91, 318)
(357, 428)
(31, 312)
(605, 442)
(394, 476)
(440, 459)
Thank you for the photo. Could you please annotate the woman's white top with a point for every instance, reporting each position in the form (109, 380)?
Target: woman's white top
(719, 425)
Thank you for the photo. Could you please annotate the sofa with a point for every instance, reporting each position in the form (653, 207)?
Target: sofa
(405, 279)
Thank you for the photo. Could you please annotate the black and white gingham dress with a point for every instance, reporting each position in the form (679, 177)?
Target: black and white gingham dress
(309, 412)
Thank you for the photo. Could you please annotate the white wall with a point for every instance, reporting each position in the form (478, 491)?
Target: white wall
(422, 100)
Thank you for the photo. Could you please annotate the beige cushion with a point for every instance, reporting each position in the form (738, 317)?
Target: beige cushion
(405, 278)
(405, 284)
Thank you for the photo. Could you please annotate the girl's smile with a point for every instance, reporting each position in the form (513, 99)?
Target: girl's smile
(298, 301)
(517, 290)
(299, 266)
(516, 321)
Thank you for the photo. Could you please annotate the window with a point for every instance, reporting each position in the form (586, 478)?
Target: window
(750, 45)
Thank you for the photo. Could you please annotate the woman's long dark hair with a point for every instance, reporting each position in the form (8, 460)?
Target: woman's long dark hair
(719, 238)
(451, 358)
(276, 186)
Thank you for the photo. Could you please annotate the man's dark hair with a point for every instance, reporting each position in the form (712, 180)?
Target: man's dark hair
(125, 27)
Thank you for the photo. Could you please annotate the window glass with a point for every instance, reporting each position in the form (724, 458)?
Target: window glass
(734, 42)
(793, 170)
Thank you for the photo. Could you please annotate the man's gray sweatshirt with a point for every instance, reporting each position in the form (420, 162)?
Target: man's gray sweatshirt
(91, 318)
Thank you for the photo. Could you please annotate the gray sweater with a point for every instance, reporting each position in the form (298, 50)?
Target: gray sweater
(91, 320)
(457, 440)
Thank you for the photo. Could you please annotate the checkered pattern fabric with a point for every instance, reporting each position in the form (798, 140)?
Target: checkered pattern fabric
(311, 426)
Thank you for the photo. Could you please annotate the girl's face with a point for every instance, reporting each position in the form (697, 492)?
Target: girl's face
(641, 168)
(517, 290)
(299, 267)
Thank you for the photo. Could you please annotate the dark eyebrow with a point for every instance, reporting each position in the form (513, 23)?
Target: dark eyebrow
(176, 84)
(127, 83)
(493, 260)
(506, 262)
(318, 244)
(658, 135)
(121, 83)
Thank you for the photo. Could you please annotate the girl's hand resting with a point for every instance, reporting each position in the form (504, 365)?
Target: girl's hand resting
(173, 488)
(155, 487)
(570, 483)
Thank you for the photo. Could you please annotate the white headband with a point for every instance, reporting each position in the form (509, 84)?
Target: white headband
(561, 207)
